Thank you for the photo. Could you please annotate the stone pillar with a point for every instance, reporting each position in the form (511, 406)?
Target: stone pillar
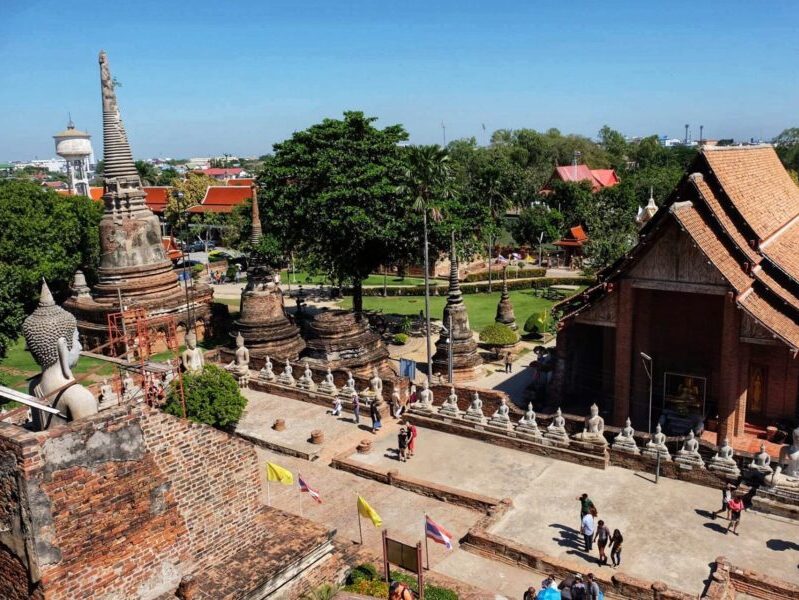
(639, 380)
(557, 389)
(729, 396)
(743, 383)
(624, 343)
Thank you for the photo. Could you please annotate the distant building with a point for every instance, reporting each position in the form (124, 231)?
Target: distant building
(572, 245)
(222, 199)
(222, 173)
(75, 147)
(598, 178)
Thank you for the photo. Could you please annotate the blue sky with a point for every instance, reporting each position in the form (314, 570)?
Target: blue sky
(201, 78)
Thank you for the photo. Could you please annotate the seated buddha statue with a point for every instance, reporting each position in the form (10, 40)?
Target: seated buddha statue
(593, 429)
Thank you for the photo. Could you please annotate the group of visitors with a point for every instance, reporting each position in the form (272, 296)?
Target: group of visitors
(595, 530)
(374, 411)
(406, 442)
(733, 503)
(573, 587)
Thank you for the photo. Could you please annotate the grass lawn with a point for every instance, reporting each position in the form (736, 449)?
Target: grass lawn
(301, 277)
(482, 307)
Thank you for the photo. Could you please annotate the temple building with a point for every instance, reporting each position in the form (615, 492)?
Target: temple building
(707, 303)
(133, 264)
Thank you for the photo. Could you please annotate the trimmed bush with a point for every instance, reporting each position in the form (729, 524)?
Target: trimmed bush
(537, 322)
(400, 339)
(496, 273)
(498, 335)
(212, 397)
(472, 288)
(365, 571)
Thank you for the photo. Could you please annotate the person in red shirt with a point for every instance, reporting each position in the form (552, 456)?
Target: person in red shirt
(735, 506)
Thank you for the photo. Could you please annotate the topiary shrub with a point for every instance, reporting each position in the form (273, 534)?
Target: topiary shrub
(212, 397)
(537, 322)
(498, 335)
(365, 571)
(400, 339)
(405, 325)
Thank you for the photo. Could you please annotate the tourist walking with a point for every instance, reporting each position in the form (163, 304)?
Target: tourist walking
(508, 362)
(402, 444)
(399, 591)
(336, 407)
(726, 495)
(592, 591)
(374, 413)
(735, 506)
(587, 528)
(602, 537)
(585, 505)
(616, 541)
(414, 433)
(356, 407)
(567, 585)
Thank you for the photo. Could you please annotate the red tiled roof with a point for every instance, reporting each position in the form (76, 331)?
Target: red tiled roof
(171, 248)
(244, 181)
(222, 199)
(96, 193)
(742, 211)
(55, 185)
(157, 197)
(599, 178)
(575, 237)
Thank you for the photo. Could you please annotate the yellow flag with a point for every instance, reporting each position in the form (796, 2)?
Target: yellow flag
(367, 511)
(277, 473)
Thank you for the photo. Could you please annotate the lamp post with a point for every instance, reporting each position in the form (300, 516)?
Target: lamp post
(448, 332)
(647, 361)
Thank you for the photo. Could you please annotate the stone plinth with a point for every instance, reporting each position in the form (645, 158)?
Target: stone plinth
(654, 450)
(689, 460)
(340, 340)
(625, 444)
(724, 466)
(317, 436)
(466, 362)
(264, 325)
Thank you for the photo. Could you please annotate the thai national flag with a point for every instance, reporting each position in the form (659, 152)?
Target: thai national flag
(437, 533)
(304, 487)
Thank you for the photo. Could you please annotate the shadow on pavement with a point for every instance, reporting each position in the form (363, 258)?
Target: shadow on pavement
(716, 527)
(780, 545)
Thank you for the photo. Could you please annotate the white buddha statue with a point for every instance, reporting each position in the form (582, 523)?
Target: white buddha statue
(556, 430)
(450, 406)
(760, 467)
(786, 475)
(266, 373)
(306, 381)
(51, 335)
(328, 385)
(192, 358)
(287, 377)
(657, 445)
(376, 384)
(689, 455)
(527, 425)
(239, 367)
(475, 411)
(625, 440)
(594, 428)
(108, 396)
(425, 398)
(502, 414)
(348, 391)
(723, 461)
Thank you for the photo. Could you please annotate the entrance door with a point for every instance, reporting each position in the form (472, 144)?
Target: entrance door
(756, 394)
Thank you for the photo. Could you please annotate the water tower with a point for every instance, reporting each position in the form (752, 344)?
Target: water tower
(74, 146)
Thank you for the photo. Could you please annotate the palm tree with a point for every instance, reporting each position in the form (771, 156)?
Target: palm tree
(428, 180)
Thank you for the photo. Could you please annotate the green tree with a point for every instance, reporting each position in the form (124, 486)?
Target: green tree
(615, 145)
(535, 220)
(184, 194)
(44, 234)
(147, 172)
(427, 181)
(787, 146)
(212, 397)
(330, 194)
(167, 177)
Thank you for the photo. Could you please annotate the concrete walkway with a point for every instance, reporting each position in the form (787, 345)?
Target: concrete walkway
(667, 528)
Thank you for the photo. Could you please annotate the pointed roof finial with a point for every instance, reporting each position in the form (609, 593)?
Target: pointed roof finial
(70, 124)
(454, 292)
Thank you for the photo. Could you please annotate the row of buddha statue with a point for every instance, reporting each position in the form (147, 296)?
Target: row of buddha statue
(326, 386)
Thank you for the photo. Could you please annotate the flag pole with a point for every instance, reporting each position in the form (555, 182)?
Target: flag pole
(300, 489)
(426, 547)
(268, 493)
(358, 512)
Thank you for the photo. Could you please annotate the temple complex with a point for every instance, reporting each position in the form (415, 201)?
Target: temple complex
(342, 340)
(133, 264)
(707, 302)
(466, 361)
(263, 322)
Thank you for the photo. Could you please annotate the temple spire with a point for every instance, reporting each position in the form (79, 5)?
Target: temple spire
(117, 156)
(256, 233)
(454, 292)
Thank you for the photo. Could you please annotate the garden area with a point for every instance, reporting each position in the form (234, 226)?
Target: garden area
(375, 279)
(482, 307)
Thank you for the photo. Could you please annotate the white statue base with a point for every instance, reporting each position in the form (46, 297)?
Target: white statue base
(689, 460)
(557, 436)
(475, 416)
(266, 375)
(287, 380)
(724, 466)
(626, 444)
(655, 450)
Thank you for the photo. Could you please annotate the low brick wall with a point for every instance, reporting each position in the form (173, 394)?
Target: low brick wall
(419, 486)
(309, 456)
(727, 580)
(583, 454)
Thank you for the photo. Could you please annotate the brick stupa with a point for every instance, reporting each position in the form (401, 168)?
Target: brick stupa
(466, 361)
(505, 314)
(342, 340)
(132, 262)
(263, 322)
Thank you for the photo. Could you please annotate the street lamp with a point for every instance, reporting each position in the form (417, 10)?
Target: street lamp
(448, 332)
(647, 361)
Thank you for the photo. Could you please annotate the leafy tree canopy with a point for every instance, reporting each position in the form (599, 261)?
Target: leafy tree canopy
(44, 234)
(184, 194)
(331, 194)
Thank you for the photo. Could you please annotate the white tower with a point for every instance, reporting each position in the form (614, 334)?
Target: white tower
(74, 147)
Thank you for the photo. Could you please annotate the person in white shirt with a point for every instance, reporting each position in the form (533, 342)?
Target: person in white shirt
(587, 529)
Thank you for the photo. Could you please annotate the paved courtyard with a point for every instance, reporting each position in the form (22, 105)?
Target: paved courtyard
(667, 528)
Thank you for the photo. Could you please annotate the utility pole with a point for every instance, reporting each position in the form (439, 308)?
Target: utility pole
(444, 133)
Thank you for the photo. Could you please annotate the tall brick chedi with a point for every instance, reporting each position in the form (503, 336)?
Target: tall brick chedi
(133, 263)
(466, 361)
